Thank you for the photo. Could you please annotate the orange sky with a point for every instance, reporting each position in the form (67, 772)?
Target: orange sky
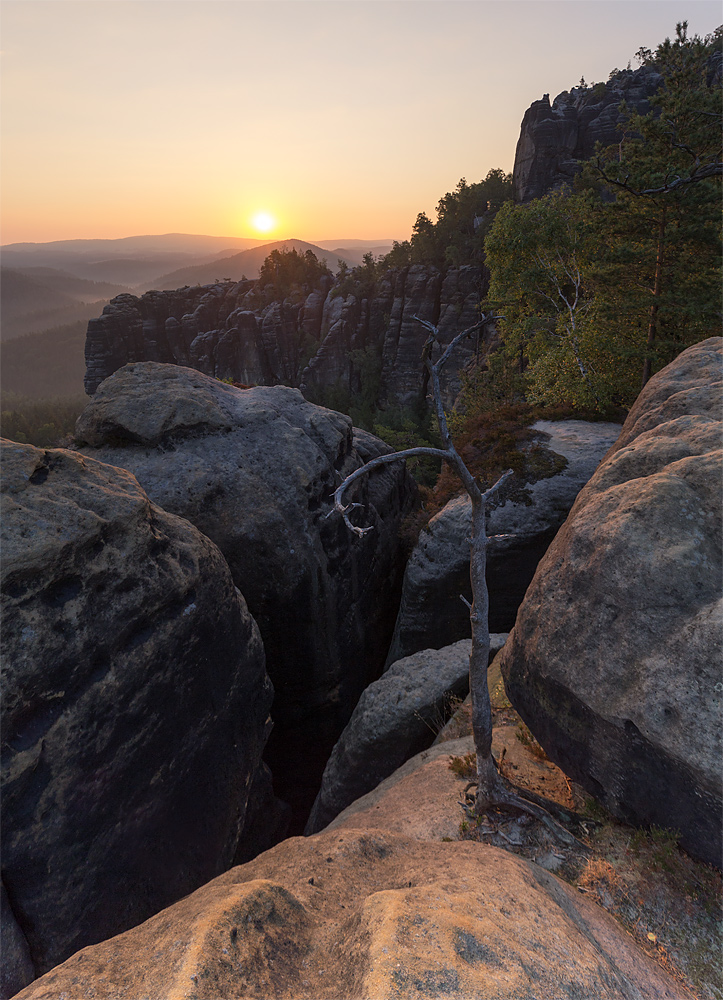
(340, 119)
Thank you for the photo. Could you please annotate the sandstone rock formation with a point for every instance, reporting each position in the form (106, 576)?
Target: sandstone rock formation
(135, 706)
(17, 968)
(231, 331)
(396, 717)
(370, 914)
(431, 612)
(254, 470)
(555, 139)
(614, 661)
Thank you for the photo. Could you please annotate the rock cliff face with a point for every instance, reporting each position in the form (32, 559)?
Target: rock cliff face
(555, 139)
(228, 331)
(135, 704)
(614, 660)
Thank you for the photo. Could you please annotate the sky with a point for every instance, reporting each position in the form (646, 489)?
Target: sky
(336, 118)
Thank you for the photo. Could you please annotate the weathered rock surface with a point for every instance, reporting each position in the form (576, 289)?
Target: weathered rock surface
(230, 330)
(255, 470)
(17, 968)
(396, 717)
(370, 914)
(431, 612)
(614, 661)
(556, 139)
(135, 706)
(450, 301)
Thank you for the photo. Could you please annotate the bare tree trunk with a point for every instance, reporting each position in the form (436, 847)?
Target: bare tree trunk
(479, 657)
(657, 288)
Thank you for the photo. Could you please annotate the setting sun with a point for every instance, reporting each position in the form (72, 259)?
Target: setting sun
(263, 222)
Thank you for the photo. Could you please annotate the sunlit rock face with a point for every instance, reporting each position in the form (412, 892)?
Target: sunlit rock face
(255, 470)
(366, 914)
(614, 661)
(135, 704)
(555, 139)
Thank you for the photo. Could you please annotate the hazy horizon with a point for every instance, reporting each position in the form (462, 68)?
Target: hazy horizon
(256, 240)
(154, 117)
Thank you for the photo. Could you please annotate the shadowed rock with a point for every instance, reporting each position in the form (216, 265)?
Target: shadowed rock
(614, 661)
(135, 702)
(255, 470)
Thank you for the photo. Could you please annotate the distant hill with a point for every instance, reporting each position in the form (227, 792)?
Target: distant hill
(83, 289)
(247, 263)
(137, 261)
(131, 246)
(35, 301)
(132, 260)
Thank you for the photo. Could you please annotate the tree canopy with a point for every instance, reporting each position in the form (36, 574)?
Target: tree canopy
(283, 269)
(604, 285)
(464, 217)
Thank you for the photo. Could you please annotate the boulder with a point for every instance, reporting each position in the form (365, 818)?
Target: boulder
(135, 703)
(255, 469)
(564, 456)
(370, 914)
(614, 661)
(396, 717)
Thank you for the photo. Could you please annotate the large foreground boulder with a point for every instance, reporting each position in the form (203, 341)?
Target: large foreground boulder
(397, 716)
(254, 470)
(135, 704)
(615, 659)
(563, 456)
(370, 915)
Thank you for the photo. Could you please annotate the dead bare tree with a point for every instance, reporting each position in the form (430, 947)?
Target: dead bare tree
(493, 790)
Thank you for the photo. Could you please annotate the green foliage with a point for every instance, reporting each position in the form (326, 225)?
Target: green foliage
(527, 740)
(463, 218)
(399, 256)
(359, 281)
(660, 842)
(497, 380)
(46, 423)
(367, 367)
(285, 271)
(412, 428)
(600, 288)
(539, 257)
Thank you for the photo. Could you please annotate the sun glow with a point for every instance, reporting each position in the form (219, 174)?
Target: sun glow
(263, 222)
